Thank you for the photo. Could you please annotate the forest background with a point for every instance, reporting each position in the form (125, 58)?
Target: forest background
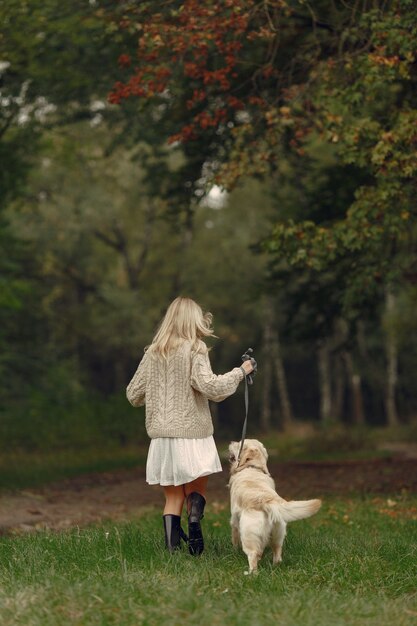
(259, 157)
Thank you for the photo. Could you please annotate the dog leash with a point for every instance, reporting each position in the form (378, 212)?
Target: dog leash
(248, 381)
(245, 423)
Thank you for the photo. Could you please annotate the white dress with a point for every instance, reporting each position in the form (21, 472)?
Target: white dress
(176, 460)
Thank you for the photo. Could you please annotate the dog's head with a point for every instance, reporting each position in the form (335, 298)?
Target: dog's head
(253, 453)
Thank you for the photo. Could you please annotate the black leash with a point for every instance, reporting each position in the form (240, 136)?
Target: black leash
(248, 381)
(245, 423)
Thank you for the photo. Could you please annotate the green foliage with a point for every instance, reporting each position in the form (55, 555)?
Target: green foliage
(45, 42)
(353, 90)
(59, 413)
(55, 67)
(363, 104)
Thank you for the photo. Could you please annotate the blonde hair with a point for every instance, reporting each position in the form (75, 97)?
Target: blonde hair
(183, 321)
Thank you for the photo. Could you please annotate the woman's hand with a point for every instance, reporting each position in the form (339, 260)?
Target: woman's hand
(247, 366)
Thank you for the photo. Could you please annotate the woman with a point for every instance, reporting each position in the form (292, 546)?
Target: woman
(175, 381)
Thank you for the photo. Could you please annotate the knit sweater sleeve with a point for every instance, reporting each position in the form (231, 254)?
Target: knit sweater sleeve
(215, 388)
(135, 391)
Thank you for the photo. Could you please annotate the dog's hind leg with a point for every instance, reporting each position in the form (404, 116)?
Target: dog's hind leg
(253, 535)
(234, 523)
(279, 530)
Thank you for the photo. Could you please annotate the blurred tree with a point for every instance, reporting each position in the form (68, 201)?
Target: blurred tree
(104, 221)
(55, 65)
(258, 79)
(109, 256)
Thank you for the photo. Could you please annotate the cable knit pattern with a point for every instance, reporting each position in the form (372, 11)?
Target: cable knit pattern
(176, 392)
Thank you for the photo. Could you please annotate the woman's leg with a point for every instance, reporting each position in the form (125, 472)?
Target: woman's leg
(174, 499)
(195, 492)
(199, 485)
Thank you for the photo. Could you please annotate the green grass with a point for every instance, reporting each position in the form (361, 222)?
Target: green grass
(337, 443)
(305, 441)
(352, 564)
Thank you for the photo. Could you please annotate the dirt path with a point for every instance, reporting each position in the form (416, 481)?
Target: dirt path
(124, 494)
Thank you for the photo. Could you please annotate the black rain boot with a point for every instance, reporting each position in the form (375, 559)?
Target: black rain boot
(196, 504)
(173, 532)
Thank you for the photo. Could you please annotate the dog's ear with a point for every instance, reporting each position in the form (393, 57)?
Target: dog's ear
(233, 451)
(250, 454)
(256, 452)
(263, 450)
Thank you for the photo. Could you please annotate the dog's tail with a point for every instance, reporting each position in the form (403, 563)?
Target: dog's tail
(296, 509)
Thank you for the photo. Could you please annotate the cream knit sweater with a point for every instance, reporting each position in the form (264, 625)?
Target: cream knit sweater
(176, 392)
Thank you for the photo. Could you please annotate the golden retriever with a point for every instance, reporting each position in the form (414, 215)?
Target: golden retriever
(258, 514)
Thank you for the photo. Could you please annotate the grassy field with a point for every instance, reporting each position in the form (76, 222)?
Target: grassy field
(355, 563)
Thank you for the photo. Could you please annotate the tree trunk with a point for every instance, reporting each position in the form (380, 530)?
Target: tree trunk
(266, 374)
(266, 396)
(339, 388)
(391, 350)
(355, 383)
(186, 231)
(273, 363)
(286, 408)
(323, 356)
